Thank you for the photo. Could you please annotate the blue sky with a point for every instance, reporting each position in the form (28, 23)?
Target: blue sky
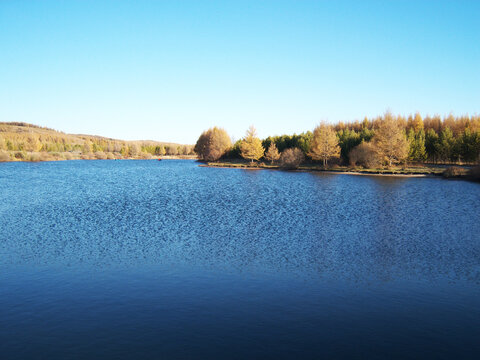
(167, 70)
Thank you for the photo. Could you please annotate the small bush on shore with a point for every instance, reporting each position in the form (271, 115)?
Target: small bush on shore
(20, 155)
(454, 171)
(100, 155)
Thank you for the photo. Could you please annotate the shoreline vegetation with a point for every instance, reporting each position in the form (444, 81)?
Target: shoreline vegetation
(27, 142)
(385, 145)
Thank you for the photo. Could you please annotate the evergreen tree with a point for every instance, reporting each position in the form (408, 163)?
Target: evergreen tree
(416, 140)
(431, 145)
(445, 145)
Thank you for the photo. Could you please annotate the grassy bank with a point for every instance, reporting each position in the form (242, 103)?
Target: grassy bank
(401, 170)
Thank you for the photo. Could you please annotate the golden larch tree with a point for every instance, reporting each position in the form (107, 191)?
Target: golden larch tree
(251, 147)
(390, 141)
(272, 153)
(324, 144)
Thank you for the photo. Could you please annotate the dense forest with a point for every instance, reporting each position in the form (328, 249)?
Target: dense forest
(21, 141)
(385, 140)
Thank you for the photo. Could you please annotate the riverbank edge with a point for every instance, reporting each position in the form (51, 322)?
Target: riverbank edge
(313, 168)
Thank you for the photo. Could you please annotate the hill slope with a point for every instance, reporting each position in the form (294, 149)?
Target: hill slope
(22, 141)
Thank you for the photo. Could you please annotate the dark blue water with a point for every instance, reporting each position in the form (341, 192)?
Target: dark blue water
(148, 259)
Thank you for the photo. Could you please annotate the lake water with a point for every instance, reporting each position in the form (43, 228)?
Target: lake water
(149, 259)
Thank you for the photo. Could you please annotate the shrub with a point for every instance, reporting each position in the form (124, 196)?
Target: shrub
(454, 171)
(20, 155)
(291, 158)
(364, 155)
(100, 155)
(33, 157)
(145, 156)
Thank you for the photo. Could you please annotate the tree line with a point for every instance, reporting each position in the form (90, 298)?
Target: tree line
(24, 141)
(386, 140)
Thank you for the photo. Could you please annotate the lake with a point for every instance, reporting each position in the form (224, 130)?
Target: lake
(166, 259)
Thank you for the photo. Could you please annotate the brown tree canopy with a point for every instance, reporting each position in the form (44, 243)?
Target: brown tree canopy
(390, 141)
(251, 146)
(291, 158)
(212, 144)
(364, 155)
(324, 144)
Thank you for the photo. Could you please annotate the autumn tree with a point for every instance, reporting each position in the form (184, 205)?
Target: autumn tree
(133, 150)
(390, 141)
(87, 147)
(212, 144)
(272, 153)
(324, 144)
(160, 150)
(364, 155)
(251, 146)
(291, 158)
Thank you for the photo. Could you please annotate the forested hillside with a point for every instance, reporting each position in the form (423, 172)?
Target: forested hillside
(27, 142)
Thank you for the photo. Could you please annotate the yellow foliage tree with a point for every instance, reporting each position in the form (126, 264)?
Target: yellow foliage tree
(272, 153)
(251, 147)
(417, 123)
(324, 144)
(390, 141)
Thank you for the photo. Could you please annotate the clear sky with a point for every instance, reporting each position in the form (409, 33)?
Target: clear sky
(166, 70)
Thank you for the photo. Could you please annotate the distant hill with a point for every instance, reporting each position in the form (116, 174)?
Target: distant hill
(23, 141)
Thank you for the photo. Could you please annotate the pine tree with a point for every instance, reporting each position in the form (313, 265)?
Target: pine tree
(416, 140)
(251, 147)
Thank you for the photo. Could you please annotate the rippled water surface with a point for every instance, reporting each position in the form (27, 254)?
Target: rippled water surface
(149, 259)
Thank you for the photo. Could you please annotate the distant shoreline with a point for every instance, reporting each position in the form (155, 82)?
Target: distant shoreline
(48, 159)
